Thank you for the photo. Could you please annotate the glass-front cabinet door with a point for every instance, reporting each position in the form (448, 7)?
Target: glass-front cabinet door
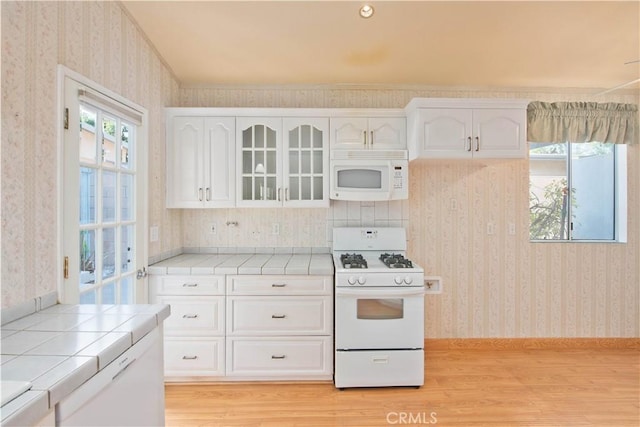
(259, 161)
(306, 162)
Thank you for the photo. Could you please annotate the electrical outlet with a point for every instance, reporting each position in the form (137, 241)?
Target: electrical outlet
(154, 233)
(213, 228)
(512, 228)
(453, 204)
(491, 228)
(275, 229)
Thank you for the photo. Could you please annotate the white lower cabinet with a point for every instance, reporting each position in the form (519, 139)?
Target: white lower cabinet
(194, 332)
(279, 327)
(246, 327)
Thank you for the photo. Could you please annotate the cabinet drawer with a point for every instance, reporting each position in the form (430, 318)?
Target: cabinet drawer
(194, 357)
(191, 316)
(279, 315)
(279, 285)
(187, 285)
(279, 357)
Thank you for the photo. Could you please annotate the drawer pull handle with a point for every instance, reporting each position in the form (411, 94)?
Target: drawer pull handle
(190, 316)
(189, 357)
(278, 357)
(278, 285)
(190, 285)
(278, 316)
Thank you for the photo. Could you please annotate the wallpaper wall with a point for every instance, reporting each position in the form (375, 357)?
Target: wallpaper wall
(498, 285)
(101, 42)
(494, 286)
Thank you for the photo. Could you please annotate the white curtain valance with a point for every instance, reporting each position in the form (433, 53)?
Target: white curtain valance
(582, 122)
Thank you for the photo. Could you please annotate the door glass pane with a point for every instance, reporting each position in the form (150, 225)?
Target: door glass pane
(126, 249)
(271, 188)
(317, 162)
(258, 137)
(293, 162)
(548, 191)
(377, 309)
(305, 131)
(247, 162)
(258, 162)
(126, 145)
(293, 138)
(317, 188)
(88, 297)
(259, 189)
(271, 138)
(108, 252)
(271, 161)
(108, 196)
(247, 138)
(108, 293)
(87, 257)
(88, 189)
(294, 188)
(126, 290)
(317, 138)
(306, 162)
(126, 197)
(305, 189)
(247, 194)
(109, 145)
(88, 140)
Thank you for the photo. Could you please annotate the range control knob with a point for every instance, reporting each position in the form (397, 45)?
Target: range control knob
(351, 280)
(398, 280)
(361, 280)
(408, 280)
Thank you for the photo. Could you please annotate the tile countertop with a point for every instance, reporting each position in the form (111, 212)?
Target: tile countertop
(60, 347)
(260, 263)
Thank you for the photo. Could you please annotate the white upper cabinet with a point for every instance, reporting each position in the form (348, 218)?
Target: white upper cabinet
(368, 133)
(282, 162)
(200, 161)
(467, 128)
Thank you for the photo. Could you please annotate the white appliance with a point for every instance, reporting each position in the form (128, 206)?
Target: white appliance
(368, 175)
(379, 309)
(127, 392)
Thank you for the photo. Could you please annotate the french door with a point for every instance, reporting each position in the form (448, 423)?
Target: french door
(104, 198)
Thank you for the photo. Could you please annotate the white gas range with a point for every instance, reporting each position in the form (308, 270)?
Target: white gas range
(379, 309)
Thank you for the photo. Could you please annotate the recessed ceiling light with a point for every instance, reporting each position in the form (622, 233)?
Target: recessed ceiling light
(366, 11)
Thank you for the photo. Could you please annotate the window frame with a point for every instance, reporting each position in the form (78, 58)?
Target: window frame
(619, 199)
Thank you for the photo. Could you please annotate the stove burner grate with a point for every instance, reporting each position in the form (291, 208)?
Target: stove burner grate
(395, 261)
(353, 261)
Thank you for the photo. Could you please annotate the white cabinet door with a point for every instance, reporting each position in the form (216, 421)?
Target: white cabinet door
(306, 162)
(349, 133)
(459, 133)
(259, 161)
(373, 133)
(445, 133)
(388, 133)
(201, 162)
(185, 162)
(499, 133)
(219, 171)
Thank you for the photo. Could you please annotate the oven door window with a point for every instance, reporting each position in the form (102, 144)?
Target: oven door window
(360, 179)
(380, 309)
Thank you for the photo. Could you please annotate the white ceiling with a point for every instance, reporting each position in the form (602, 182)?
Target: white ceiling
(575, 44)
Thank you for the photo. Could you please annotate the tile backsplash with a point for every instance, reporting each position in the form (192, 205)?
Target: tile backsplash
(278, 227)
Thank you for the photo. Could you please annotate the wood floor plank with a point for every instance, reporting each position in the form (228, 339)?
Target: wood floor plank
(463, 387)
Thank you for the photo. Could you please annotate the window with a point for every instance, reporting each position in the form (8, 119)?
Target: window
(577, 192)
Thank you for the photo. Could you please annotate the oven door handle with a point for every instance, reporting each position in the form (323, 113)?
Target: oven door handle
(380, 293)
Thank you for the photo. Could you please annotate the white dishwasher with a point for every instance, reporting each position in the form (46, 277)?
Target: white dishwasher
(127, 392)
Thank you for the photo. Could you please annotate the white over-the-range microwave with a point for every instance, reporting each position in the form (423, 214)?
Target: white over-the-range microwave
(369, 175)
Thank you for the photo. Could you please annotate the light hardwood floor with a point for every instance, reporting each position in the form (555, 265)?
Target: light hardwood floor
(463, 387)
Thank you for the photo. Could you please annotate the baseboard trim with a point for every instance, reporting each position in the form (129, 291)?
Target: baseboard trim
(531, 343)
